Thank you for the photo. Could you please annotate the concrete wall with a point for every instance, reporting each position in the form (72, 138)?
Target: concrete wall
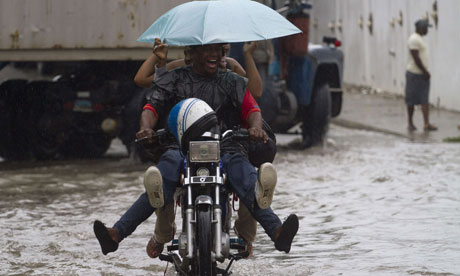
(378, 58)
(69, 27)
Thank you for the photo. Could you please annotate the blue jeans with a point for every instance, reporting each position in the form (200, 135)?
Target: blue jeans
(241, 174)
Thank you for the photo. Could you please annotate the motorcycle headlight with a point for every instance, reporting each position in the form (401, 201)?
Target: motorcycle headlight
(204, 151)
(202, 172)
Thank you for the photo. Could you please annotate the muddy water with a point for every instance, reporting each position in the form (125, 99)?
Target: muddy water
(369, 204)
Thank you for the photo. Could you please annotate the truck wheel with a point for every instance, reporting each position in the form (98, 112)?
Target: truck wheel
(315, 116)
(269, 101)
(14, 120)
(48, 137)
(84, 145)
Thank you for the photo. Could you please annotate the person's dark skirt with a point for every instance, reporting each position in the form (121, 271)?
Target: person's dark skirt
(417, 89)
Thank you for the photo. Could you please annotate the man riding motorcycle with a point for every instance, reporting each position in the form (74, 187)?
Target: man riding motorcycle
(245, 224)
(234, 106)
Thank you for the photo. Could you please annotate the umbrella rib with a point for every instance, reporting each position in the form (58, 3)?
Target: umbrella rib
(204, 22)
(260, 30)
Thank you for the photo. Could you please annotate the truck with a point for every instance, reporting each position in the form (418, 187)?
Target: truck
(67, 69)
(66, 79)
(302, 82)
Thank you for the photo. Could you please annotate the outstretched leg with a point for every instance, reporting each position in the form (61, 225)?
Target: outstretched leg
(170, 166)
(242, 177)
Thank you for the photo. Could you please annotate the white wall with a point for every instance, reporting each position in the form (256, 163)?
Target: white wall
(379, 59)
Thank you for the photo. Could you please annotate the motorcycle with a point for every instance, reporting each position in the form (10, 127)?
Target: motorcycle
(205, 201)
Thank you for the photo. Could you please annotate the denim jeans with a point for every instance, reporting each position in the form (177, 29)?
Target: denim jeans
(170, 166)
(242, 177)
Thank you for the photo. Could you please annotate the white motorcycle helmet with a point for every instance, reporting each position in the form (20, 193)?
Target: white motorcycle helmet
(189, 119)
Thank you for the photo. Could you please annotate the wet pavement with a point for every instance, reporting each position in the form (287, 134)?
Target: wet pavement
(369, 203)
(387, 113)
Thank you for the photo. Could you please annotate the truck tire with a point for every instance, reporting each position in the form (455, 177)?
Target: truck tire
(48, 139)
(14, 120)
(315, 116)
(268, 102)
(47, 130)
(84, 145)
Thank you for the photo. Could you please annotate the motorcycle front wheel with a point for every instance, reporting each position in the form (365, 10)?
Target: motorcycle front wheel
(204, 241)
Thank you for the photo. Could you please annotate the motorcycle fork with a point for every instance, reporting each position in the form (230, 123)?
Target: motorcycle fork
(190, 219)
(217, 221)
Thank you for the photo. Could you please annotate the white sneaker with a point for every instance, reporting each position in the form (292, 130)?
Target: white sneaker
(265, 185)
(153, 183)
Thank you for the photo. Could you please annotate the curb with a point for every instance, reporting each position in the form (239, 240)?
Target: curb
(355, 125)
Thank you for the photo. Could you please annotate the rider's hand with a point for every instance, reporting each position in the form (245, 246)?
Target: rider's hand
(257, 134)
(145, 135)
(160, 50)
(249, 47)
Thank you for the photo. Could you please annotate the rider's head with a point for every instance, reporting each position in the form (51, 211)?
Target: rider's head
(206, 58)
(188, 55)
(226, 48)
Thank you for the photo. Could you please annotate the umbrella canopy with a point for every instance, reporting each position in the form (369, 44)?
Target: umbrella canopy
(223, 21)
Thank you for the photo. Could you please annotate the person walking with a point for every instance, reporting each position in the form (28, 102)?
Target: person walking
(418, 76)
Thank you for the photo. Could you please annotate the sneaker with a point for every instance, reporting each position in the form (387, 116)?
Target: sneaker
(265, 185)
(153, 183)
(286, 233)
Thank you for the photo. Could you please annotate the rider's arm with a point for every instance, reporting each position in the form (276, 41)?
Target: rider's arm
(255, 129)
(254, 79)
(175, 64)
(149, 117)
(235, 66)
(250, 114)
(146, 73)
(148, 121)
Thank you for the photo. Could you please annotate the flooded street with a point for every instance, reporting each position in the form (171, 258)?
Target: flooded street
(368, 204)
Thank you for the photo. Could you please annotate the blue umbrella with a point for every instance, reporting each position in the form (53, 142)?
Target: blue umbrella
(224, 21)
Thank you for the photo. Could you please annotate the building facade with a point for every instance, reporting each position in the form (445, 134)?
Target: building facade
(374, 35)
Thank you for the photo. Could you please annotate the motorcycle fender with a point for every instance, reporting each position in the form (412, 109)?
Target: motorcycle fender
(203, 199)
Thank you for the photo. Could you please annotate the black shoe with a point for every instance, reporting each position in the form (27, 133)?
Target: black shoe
(102, 234)
(287, 233)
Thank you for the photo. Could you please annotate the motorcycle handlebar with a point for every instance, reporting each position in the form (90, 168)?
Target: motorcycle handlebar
(157, 137)
(237, 134)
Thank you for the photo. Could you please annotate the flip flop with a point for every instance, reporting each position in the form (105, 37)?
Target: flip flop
(430, 128)
(154, 248)
(102, 234)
